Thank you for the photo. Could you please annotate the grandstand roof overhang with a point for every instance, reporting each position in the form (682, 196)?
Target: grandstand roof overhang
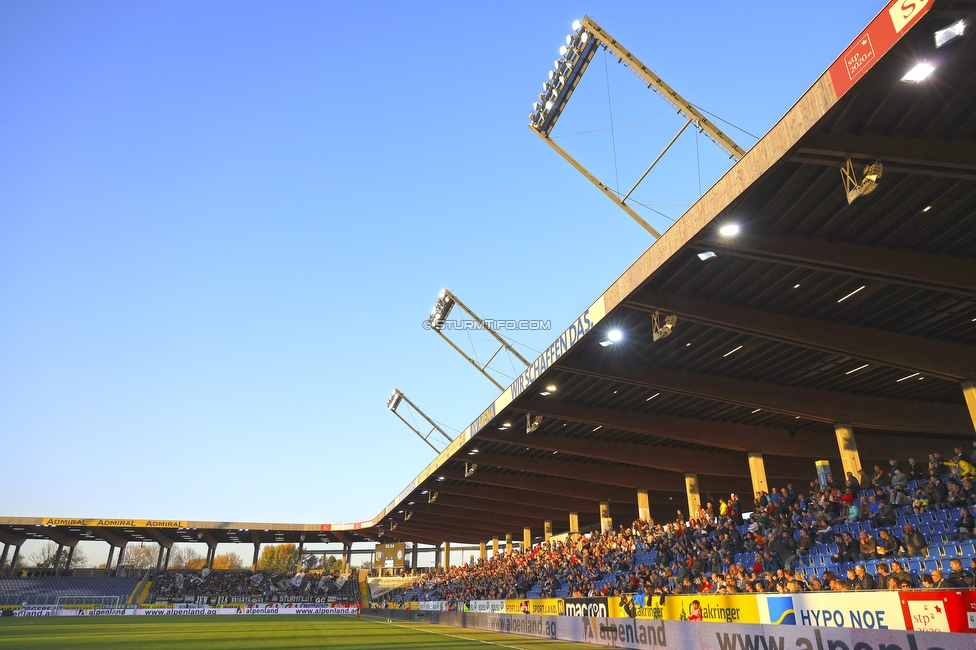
(767, 353)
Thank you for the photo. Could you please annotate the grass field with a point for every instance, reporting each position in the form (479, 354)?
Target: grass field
(271, 632)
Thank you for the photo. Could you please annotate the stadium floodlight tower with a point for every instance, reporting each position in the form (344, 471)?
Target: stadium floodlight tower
(438, 316)
(394, 401)
(580, 47)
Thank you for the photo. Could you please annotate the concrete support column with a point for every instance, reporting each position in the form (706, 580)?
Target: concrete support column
(159, 558)
(118, 564)
(347, 555)
(847, 446)
(483, 551)
(643, 506)
(257, 554)
(494, 547)
(606, 522)
(108, 562)
(57, 559)
(13, 560)
(508, 543)
(526, 539)
(694, 498)
(413, 557)
(3, 559)
(757, 470)
(71, 554)
(301, 551)
(574, 523)
(447, 555)
(969, 392)
(166, 562)
(547, 529)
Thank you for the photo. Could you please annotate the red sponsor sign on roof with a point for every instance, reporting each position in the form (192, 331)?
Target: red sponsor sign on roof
(876, 39)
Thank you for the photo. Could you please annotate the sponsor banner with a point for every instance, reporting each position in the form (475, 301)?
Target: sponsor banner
(590, 607)
(117, 523)
(31, 611)
(878, 37)
(872, 610)
(939, 611)
(245, 610)
(546, 606)
(432, 606)
(738, 608)
(490, 606)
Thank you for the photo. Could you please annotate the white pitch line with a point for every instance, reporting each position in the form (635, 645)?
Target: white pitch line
(453, 636)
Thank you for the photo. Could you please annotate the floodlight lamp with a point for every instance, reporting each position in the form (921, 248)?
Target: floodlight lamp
(550, 104)
(552, 73)
(443, 306)
(563, 49)
(584, 37)
(729, 230)
(551, 388)
(394, 400)
(569, 39)
(615, 336)
(919, 72)
(576, 25)
(704, 256)
(950, 33)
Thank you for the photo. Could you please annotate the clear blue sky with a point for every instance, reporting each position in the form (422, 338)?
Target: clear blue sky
(222, 224)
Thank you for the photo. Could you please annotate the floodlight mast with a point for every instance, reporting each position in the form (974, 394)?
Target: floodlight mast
(445, 302)
(394, 401)
(580, 49)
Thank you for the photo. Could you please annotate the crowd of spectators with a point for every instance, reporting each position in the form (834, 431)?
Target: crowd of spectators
(249, 585)
(771, 550)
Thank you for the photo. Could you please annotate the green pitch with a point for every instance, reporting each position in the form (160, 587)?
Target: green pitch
(264, 632)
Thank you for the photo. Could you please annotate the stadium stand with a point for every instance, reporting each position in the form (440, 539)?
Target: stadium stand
(44, 591)
(842, 548)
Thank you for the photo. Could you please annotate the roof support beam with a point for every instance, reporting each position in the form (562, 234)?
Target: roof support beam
(10, 538)
(574, 490)
(718, 463)
(161, 539)
(923, 270)
(950, 361)
(512, 492)
(629, 476)
(819, 405)
(727, 435)
(926, 156)
(110, 537)
(510, 501)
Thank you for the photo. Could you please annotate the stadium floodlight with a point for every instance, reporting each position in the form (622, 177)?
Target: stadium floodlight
(576, 55)
(438, 317)
(396, 397)
(950, 33)
(729, 230)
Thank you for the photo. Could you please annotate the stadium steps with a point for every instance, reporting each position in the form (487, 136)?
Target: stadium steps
(141, 591)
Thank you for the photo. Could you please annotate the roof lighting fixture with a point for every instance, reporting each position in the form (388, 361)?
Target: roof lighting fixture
(551, 388)
(729, 230)
(856, 369)
(615, 336)
(661, 332)
(545, 393)
(919, 72)
(756, 411)
(652, 397)
(704, 256)
(440, 478)
(852, 293)
(949, 34)
(867, 183)
(443, 306)
(914, 374)
(732, 351)
(598, 428)
(796, 286)
(926, 208)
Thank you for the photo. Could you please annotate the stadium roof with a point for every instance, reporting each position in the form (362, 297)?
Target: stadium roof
(818, 311)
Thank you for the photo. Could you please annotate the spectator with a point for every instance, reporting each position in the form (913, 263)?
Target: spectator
(862, 579)
(966, 524)
(914, 541)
